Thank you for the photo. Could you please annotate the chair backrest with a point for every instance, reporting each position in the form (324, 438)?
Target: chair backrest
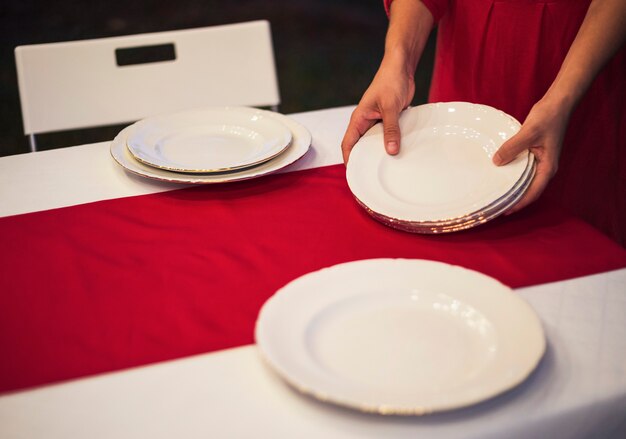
(92, 83)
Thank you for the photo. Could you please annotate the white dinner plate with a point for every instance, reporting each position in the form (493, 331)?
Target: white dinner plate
(301, 141)
(208, 140)
(503, 202)
(467, 223)
(399, 336)
(444, 169)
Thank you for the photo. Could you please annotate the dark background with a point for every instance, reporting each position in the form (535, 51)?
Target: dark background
(327, 51)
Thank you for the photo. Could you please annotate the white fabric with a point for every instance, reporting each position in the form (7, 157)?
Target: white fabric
(82, 174)
(578, 391)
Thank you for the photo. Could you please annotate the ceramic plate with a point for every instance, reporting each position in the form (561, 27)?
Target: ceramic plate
(399, 336)
(208, 140)
(464, 224)
(298, 148)
(444, 169)
(505, 201)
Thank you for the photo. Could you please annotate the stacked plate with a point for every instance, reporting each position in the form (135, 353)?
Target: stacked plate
(443, 179)
(211, 145)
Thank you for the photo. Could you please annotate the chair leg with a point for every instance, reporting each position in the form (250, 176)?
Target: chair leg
(33, 144)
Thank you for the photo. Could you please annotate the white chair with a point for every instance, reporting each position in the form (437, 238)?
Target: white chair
(91, 83)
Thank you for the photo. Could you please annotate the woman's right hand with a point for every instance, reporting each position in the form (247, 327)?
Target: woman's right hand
(390, 92)
(393, 87)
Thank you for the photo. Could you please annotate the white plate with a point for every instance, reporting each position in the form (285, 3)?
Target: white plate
(399, 336)
(298, 148)
(208, 140)
(505, 201)
(487, 214)
(466, 223)
(444, 169)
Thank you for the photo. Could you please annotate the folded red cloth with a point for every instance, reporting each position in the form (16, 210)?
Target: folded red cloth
(120, 283)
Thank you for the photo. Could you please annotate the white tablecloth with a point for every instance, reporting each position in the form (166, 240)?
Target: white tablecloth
(578, 390)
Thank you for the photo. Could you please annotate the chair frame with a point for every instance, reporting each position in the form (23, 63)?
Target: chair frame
(80, 84)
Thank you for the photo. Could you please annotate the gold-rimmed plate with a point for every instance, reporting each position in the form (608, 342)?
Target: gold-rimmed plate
(301, 141)
(208, 140)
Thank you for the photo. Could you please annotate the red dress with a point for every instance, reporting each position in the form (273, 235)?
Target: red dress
(506, 54)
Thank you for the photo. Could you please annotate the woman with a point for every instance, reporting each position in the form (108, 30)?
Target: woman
(552, 64)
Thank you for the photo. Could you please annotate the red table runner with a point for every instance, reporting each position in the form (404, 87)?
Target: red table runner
(120, 283)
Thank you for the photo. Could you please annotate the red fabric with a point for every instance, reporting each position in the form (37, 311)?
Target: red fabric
(506, 54)
(436, 7)
(125, 282)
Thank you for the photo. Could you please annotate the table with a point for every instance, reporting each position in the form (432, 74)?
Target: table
(196, 381)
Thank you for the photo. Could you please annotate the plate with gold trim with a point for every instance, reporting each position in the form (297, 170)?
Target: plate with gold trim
(399, 336)
(301, 141)
(215, 139)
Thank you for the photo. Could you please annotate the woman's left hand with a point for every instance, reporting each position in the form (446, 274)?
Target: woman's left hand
(542, 133)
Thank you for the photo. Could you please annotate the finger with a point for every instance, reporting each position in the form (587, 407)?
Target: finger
(359, 124)
(511, 148)
(537, 186)
(391, 131)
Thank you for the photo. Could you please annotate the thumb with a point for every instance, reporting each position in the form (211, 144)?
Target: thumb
(391, 131)
(511, 148)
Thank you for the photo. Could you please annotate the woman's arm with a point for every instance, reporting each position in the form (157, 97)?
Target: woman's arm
(393, 87)
(601, 34)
